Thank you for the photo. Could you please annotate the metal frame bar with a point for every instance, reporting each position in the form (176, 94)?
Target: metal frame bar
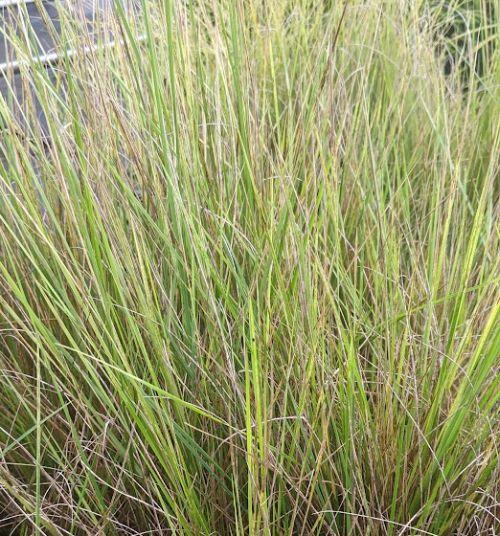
(53, 58)
(8, 3)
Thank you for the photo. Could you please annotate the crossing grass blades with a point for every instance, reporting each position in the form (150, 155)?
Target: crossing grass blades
(249, 271)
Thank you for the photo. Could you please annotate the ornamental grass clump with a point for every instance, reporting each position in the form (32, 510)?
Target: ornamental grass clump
(249, 272)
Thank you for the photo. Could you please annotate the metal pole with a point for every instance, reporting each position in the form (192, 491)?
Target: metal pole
(8, 3)
(54, 57)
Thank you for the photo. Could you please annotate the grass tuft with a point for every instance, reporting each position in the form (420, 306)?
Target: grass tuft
(249, 272)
